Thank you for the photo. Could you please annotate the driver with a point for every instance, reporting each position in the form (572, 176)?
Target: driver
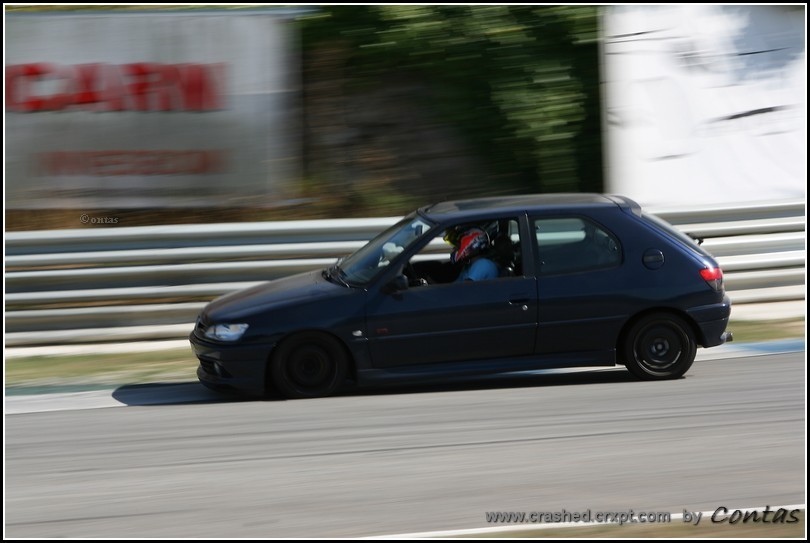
(470, 247)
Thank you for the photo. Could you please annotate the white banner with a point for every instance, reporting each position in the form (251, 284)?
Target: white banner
(705, 104)
(150, 109)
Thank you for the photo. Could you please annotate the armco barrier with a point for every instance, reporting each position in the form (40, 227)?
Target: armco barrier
(137, 283)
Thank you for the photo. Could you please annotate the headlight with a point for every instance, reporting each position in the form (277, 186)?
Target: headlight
(226, 332)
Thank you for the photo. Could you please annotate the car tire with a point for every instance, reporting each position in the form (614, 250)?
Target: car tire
(309, 365)
(659, 346)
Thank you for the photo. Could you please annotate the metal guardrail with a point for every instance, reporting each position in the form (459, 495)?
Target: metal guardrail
(150, 282)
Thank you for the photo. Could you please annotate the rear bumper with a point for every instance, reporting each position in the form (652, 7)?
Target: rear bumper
(714, 333)
(712, 321)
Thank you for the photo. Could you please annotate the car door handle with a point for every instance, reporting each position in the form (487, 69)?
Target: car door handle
(519, 301)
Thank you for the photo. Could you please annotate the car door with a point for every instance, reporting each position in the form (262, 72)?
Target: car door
(582, 288)
(453, 321)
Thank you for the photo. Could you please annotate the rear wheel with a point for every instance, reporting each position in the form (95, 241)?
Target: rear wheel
(308, 365)
(659, 346)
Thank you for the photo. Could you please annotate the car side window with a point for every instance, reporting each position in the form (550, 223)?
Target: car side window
(438, 262)
(574, 244)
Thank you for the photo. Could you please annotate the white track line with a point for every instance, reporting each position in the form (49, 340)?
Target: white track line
(70, 401)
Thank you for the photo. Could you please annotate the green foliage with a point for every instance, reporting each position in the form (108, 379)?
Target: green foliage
(520, 82)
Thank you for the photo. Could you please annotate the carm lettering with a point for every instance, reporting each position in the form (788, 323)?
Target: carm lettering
(140, 86)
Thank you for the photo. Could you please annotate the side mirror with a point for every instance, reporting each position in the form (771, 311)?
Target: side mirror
(397, 284)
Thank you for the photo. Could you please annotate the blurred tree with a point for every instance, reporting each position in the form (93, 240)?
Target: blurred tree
(520, 83)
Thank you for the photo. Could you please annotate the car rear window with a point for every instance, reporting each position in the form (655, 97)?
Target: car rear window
(574, 244)
(671, 231)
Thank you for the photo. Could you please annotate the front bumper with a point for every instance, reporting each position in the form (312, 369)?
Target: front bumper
(231, 367)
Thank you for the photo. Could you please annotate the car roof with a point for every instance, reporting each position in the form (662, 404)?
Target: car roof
(459, 209)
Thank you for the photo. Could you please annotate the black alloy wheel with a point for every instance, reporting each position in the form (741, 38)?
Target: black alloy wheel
(308, 365)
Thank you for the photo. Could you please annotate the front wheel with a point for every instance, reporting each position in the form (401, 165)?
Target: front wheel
(659, 346)
(308, 366)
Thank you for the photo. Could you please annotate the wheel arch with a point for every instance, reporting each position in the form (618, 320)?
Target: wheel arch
(290, 336)
(628, 325)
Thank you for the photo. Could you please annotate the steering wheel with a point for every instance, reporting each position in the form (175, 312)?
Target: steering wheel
(413, 279)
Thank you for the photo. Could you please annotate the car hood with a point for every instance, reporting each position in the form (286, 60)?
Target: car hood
(243, 303)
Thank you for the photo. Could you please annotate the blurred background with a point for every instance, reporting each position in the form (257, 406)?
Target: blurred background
(157, 157)
(203, 115)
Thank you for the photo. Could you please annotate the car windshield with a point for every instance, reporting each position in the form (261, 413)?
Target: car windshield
(377, 254)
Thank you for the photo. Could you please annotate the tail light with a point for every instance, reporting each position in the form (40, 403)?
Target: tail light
(714, 277)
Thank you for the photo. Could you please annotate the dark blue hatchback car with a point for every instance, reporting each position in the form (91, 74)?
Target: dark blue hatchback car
(476, 286)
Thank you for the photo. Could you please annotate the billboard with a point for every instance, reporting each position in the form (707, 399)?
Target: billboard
(705, 104)
(150, 109)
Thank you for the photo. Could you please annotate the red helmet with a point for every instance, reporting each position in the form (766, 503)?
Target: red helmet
(473, 242)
